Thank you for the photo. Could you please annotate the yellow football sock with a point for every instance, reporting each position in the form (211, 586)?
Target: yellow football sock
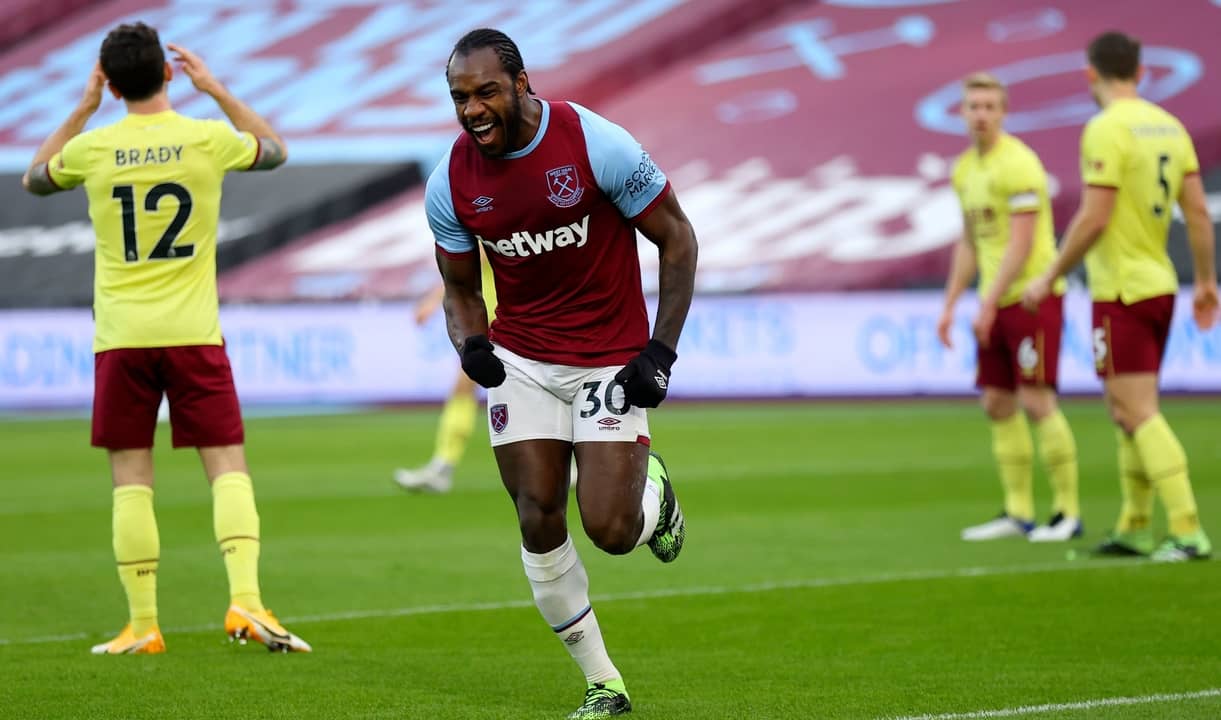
(1134, 485)
(454, 429)
(1014, 451)
(1166, 465)
(137, 550)
(236, 522)
(1058, 452)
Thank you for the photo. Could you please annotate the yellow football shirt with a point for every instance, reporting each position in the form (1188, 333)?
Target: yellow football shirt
(991, 188)
(1144, 152)
(488, 281)
(154, 187)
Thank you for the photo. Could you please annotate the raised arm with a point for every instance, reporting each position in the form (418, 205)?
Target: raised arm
(272, 150)
(37, 179)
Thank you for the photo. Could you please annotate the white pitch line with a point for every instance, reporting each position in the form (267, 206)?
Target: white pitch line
(800, 584)
(1062, 707)
(45, 639)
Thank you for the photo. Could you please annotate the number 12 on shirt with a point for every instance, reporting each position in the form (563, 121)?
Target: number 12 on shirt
(165, 248)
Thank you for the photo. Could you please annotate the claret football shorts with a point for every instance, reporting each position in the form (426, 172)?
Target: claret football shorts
(1024, 348)
(1131, 338)
(196, 379)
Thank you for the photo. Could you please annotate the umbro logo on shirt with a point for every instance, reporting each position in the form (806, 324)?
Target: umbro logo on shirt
(483, 203)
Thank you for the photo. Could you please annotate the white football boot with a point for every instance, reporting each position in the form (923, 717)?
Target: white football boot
(999, 527)
(435, 477)
(1057, 529)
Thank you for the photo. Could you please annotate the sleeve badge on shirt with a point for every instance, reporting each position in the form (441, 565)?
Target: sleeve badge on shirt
(565, 186)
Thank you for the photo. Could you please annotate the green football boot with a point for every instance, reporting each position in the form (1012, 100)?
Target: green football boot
(1195, 546)
(667, 540)
(603, 700)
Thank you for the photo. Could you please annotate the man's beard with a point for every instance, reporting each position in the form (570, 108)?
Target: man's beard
(512, 124)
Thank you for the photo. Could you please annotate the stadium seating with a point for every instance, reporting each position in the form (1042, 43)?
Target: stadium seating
(21, 19)
(812, 151)
(810, 143)
(366, 107)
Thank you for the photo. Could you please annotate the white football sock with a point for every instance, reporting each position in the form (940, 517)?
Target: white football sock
(650, 505)
(561, 592)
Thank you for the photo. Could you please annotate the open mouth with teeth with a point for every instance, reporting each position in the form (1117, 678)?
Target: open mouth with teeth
(483, 132)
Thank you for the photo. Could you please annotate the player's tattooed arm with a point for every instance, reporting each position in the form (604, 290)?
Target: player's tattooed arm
(271, 154)
(37, 180)
(668, 228)
(465, 312)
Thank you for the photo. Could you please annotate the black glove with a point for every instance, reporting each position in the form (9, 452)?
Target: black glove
(646, 378)
(480, 364)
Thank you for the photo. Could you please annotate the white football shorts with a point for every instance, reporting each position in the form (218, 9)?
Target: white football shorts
(544, 401)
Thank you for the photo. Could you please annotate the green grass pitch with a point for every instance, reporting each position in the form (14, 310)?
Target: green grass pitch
(823, 578)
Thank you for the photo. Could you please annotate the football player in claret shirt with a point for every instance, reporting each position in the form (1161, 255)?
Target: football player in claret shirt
(153, 181)
(1137, 160)
(554, 194)
(1008, 238)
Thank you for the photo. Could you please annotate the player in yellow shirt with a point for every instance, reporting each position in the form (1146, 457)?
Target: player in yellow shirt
(1008, 238)
(460, 412)
(1136, 160)
(154, 184)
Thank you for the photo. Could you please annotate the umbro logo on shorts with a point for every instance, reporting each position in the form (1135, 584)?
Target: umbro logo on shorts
(609, 422)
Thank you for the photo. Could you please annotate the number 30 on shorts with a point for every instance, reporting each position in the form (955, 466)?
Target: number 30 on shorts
(615, 402)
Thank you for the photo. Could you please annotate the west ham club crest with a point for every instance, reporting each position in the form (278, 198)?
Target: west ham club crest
(565, 186)
(499, 415)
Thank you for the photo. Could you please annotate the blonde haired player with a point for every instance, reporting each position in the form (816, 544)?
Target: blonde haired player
(1008, 238)
(1137, 159)
(154, 186)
